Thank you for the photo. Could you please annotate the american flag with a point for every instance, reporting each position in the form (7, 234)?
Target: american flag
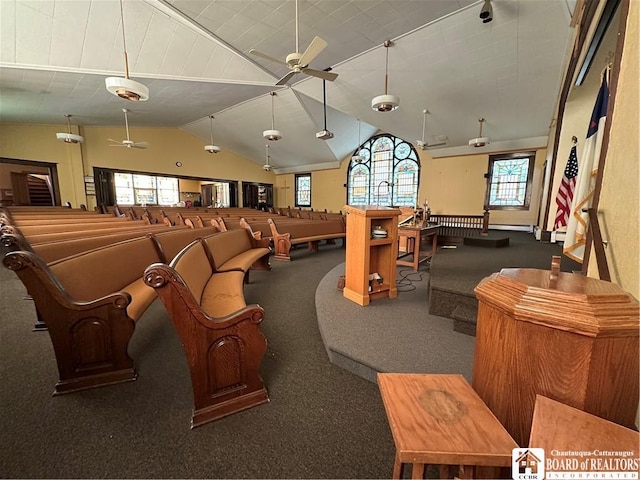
(565, 192)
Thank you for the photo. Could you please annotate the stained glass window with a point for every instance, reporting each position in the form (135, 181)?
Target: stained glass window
(387, 173)
(303, 190)
(510, 181)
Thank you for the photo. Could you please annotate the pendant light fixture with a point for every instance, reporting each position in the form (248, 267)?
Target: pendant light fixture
(125, 87)
(422, 145)
(386, 102)
(69, 137)
(324, 134)
(272, 134)
(479, 141)
(213, 148)
(357, 157)
(267, 166)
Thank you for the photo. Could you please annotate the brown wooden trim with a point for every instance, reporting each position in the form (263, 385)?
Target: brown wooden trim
(613, 90)
(598, 245)
(587, 17)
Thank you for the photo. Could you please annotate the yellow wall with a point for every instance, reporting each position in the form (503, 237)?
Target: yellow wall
(618, 210)
(166, 147)
(452, 185)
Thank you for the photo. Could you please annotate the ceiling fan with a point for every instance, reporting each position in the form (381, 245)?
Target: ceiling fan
(127, 142)
(299, 62)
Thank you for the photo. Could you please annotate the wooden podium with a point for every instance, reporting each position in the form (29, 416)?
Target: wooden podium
(568, 337)
(366, 255)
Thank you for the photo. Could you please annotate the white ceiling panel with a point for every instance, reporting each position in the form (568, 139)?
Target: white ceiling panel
(194, 57)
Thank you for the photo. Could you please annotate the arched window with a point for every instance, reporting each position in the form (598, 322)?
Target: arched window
(386, 172)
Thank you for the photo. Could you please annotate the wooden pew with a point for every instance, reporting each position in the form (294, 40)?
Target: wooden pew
(219, 332)
(90, 303)
(48, 237)
(310, 233)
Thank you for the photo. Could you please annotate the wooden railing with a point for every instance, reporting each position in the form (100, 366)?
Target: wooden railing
(460, 226)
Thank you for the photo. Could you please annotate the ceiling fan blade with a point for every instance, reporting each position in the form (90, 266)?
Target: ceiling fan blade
(266, 56)
(316, 46)
(140, 145)
(329, 76)
(286, 78)
(114, 141)
(118, 145)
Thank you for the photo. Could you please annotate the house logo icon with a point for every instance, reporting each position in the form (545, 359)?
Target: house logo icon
(527, 464)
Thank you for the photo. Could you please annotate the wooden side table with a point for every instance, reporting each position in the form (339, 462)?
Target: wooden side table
(440, 420)
(411, 239)
(558, 427)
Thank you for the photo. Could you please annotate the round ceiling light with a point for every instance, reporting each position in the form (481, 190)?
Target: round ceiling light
(127, 89)
(212, 148)
(272, 135)
(479, 141)
(385, 103)
(69, 138)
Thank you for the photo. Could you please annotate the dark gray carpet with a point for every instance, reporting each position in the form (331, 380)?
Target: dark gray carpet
(322, 421)
(391, 334)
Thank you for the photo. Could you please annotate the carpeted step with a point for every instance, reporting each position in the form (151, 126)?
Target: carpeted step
(488, 242)
(464, 319)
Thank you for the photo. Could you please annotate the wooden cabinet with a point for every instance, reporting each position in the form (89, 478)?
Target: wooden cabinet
(573, 339)
(367, 255)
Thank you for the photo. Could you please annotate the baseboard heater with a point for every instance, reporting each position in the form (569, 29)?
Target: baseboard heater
(513, 228)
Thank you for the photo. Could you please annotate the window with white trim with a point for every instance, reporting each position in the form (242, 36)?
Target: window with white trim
(136, 189)
(303, 190)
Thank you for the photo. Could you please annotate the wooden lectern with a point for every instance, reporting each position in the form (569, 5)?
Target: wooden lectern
(568, 337)
(367, 254)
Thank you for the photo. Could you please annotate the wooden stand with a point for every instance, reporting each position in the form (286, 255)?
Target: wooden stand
(411, 239)
(571, 338)
(558, 427)
(366, 255)
(439, 420)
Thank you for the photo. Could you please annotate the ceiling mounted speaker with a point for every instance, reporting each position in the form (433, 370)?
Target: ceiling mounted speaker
(386, 102)
(486, 13)
(69, 137)
(213, 148)
(479, 141)
(125, 87)
(272, 134)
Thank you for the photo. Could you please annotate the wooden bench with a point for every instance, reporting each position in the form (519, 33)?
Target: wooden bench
(238, 250)
(220, 333)
(310, 233)
(90, 302)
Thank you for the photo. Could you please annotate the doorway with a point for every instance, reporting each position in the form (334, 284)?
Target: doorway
(29, 183)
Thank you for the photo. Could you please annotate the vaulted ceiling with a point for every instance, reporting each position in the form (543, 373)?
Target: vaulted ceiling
(193, 55)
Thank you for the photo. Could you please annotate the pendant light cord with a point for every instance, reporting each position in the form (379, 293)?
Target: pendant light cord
(386, 71)
(124, 42)
(211, 127)
(297, 41)
(273, 115)
(324, 101)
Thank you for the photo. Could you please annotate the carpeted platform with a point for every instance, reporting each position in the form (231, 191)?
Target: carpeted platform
(390, 334)
(455, 272)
